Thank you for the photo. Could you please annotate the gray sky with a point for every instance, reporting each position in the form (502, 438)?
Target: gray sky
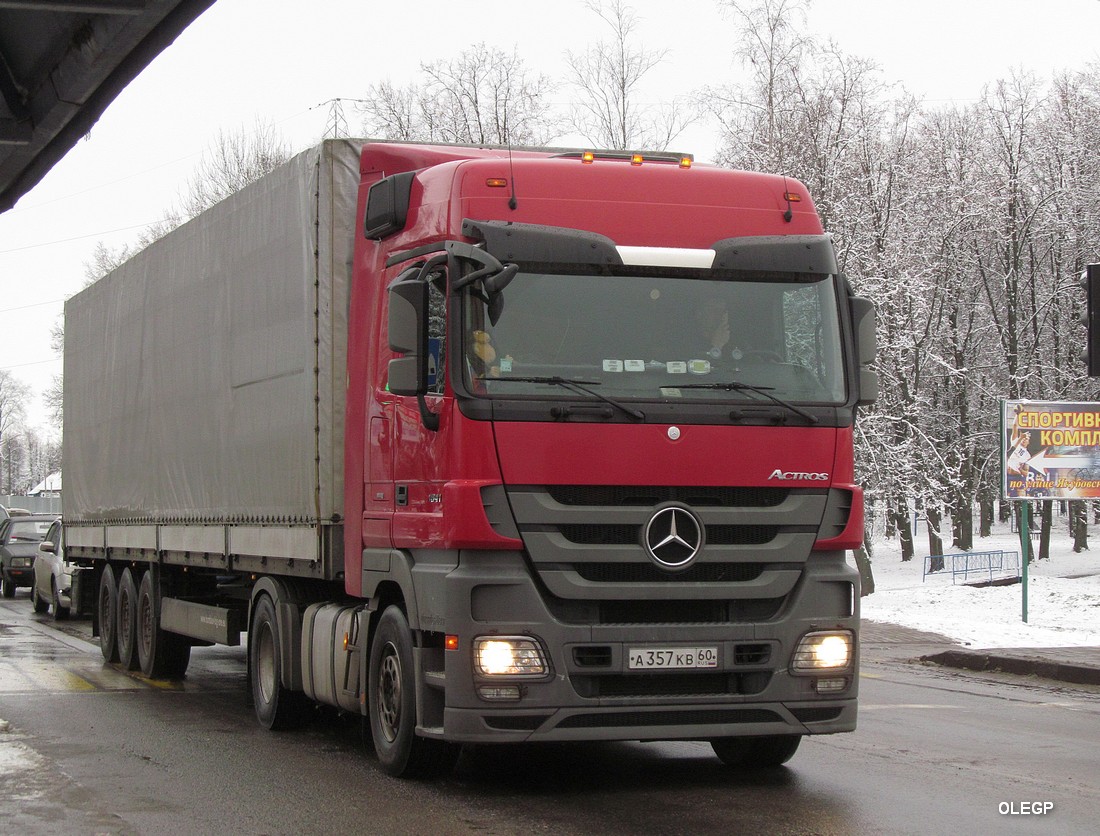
(249, 60)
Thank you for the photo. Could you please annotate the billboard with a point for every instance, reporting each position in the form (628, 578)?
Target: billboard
(1050, 450)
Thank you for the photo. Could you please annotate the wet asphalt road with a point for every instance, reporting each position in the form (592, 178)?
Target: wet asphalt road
(88, 748)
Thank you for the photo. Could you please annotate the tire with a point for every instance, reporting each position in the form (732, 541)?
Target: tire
(106, 614)
(391, 692)
(7, 587)
(756, 752)
(161, 654)
(126, 620)
(277, 708)
(60, 613)
(39, 603)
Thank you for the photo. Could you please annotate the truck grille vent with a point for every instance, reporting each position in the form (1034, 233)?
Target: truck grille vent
(688, 612)
(621, 535)
(696, 717)
(592, 657)
(645, 496)
(751, 654)
(670, 685)
(648, 573)
(816, 715)
(516, 722)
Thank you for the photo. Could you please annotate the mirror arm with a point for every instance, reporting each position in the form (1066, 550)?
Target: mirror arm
(430, 419)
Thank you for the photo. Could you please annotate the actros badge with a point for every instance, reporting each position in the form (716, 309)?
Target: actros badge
(673, 537)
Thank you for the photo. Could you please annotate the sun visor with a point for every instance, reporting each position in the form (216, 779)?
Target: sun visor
(777, 253)
(537, 244)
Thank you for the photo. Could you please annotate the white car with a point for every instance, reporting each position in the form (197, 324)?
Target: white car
(53, 578)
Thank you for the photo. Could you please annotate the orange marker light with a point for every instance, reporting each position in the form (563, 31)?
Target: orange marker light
(791, 197)
(587, 157)
(685, 162)
(496, 183)
(451, 642)
(636, 159)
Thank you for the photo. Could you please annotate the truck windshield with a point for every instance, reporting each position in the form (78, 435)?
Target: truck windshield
(658, 337)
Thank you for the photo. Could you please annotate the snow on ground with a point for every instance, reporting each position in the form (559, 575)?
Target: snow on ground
(1063, 594)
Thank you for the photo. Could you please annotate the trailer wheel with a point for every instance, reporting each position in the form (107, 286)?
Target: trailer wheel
(773, 750)
(277, 708)
(161, 653)
(127, 621)
(392, 705)
(107, 614)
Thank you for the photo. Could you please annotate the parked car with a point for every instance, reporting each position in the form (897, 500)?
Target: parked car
(19, 539)
(53, 574)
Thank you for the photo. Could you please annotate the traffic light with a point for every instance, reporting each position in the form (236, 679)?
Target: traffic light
(1092, 318)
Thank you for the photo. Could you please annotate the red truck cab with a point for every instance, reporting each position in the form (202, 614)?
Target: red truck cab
(599, 478)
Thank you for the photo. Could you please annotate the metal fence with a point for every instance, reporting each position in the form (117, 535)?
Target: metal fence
(34, 504)
(970, 566)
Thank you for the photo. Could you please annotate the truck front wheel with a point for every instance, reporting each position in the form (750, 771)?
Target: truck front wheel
(107, 614)
(773, 750)
(392, 705)
(277, 708)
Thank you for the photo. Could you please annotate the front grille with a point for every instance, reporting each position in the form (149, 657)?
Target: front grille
(633, 496)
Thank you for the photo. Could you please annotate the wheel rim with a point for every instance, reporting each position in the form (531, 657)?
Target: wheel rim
(265, 664)
(145, 624)
(125, 619)
(104, 606)
(389, 693)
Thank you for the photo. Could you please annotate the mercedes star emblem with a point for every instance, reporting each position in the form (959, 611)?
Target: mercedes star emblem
(673, 537)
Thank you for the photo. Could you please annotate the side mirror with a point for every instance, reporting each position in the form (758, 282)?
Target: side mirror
(388, 205)
(47, 547)
(408, 334)
(863, 323)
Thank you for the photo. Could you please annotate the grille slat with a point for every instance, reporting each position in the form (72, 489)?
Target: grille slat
(634, 496)
(648, 573)
(628, 535)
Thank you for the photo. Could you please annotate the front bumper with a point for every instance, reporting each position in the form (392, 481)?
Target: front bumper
(591, 693)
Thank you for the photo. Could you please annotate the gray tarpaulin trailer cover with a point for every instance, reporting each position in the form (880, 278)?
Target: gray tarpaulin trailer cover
(204, 378)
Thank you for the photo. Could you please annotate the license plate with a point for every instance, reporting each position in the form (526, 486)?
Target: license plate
(670, 658)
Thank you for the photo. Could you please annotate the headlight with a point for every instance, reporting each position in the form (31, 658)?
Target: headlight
(823, 652)
(509, 656)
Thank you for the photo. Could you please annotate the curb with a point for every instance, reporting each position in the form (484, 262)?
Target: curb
(1019, 665)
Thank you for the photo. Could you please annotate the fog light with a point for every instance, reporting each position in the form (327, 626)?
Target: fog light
(831, 686)
(498, 693)
(823, 651)
(509, 656)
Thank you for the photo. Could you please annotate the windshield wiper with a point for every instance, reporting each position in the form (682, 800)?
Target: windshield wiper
(738, 386)
(582, 387)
